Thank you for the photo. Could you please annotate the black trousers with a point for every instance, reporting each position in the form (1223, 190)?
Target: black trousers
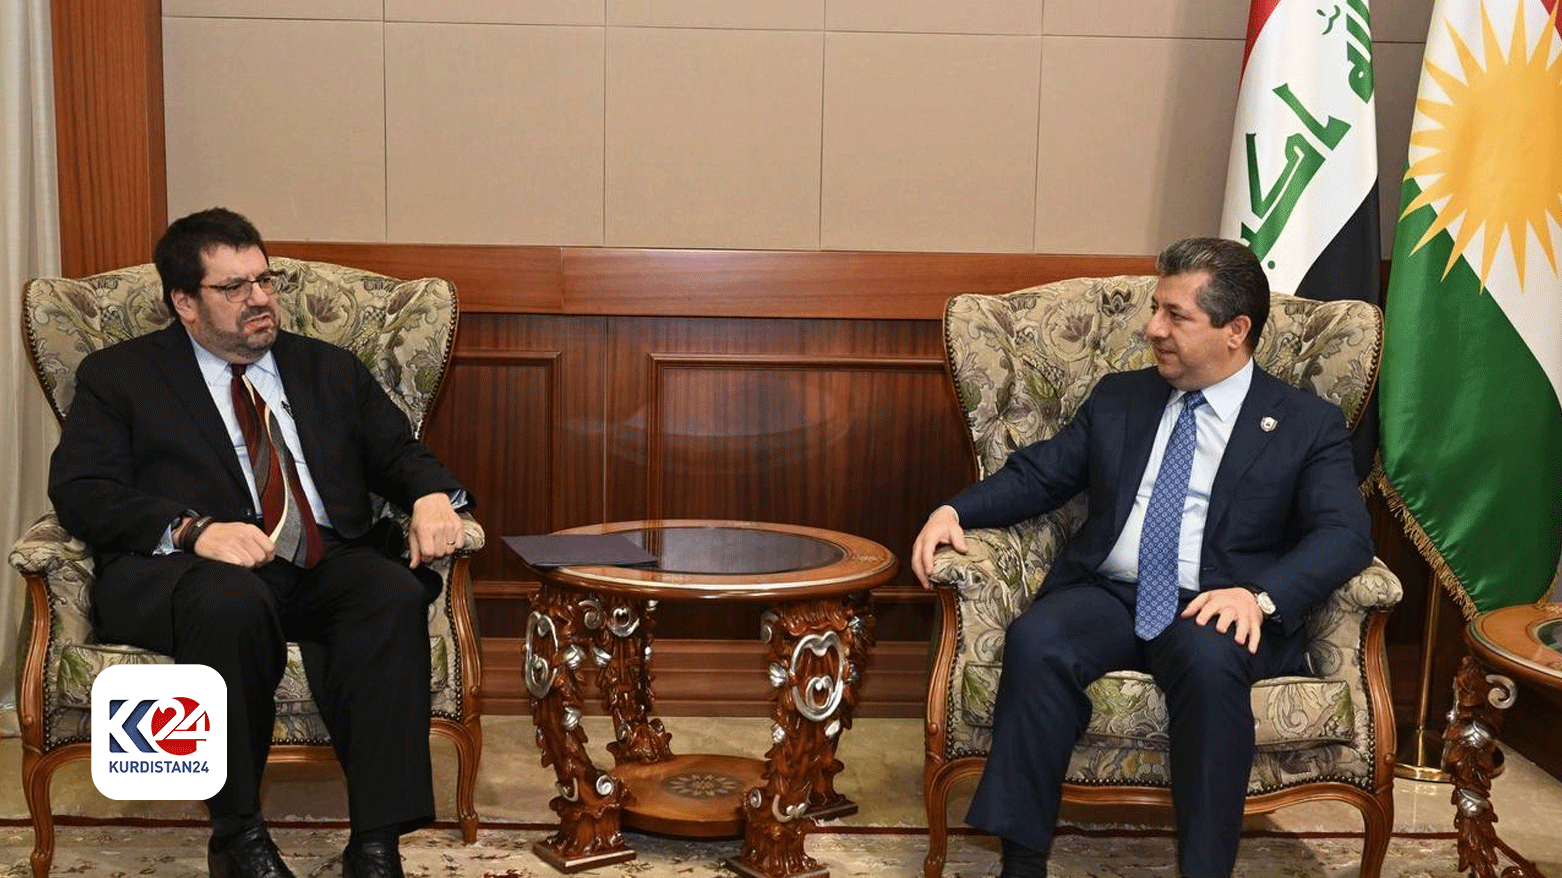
(1062, 643)
(360, 619)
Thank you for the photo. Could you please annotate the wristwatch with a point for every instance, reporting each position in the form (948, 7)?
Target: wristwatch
(1266, 604)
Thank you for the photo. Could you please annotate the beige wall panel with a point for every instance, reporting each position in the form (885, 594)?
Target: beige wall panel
(1396, 69)
(936, 16)
(496, 11)
(1134, 141)
(713, 138)
(292, 136)
(1225, 19)
(930, 142)
(748, 14)
(319, 10)
(500, 142)
(1401, 21)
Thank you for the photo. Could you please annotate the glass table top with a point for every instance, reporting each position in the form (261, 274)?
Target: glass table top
(719, 559)
(724, 551)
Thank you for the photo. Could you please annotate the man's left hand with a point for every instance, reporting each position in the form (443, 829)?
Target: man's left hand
(1231, 608)
(436, 529)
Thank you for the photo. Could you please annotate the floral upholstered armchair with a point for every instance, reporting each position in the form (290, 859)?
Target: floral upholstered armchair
(1021, 364)
(403, 331)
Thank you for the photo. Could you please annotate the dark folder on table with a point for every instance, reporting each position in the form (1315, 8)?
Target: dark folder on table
(571, 550)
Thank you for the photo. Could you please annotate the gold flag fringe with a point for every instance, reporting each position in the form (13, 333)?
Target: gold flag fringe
(1423, 543)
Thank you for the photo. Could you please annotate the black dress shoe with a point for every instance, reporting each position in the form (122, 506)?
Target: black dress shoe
(250, 854)
(371, 859)
(1020, 861)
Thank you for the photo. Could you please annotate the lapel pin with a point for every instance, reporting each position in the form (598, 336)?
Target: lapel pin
(1268, 424)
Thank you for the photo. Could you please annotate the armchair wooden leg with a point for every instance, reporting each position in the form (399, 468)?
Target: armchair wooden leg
(1374, 844)
(936, 797)
(43, 826)
(37, 774)
(468, 741)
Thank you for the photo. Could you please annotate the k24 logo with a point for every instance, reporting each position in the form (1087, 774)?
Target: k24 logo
(175, 726)
(159, 732)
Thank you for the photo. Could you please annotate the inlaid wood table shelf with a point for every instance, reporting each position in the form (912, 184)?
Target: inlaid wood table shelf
(1522, 643)
(818, 627)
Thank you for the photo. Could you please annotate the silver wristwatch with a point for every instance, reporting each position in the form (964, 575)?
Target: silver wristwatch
(1266, 604)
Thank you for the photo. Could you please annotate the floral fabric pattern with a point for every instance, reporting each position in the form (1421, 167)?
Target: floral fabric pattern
(1022, 363)
(402, 331)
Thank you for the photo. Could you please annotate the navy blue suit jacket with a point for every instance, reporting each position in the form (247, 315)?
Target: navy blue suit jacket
(1285, 511)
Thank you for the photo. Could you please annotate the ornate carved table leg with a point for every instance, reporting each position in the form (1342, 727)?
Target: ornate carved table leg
(814, 666)
(824, 803)
(1471, 758)
(588, 801)
(624, 654)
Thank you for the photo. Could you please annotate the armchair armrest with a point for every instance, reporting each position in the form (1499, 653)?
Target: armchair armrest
(475, 537)
(1375, 588)
(1347, 629)
(46, 548)
(992, 552)
(57, 569)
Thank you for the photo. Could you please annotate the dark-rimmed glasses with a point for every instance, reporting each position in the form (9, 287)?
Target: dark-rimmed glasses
(238, 290)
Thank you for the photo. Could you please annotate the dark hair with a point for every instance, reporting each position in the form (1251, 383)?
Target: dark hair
(1236, 286)
(178, 252)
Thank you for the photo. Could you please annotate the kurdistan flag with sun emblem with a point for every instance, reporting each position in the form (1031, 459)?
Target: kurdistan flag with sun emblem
(1472, 357)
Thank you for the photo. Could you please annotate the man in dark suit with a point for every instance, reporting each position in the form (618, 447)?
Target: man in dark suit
(1200, 571)
(221, 471)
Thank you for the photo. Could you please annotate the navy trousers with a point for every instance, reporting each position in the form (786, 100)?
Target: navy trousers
(1073, 635)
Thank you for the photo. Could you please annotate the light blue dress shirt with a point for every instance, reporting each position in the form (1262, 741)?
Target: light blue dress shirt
(1213, 423)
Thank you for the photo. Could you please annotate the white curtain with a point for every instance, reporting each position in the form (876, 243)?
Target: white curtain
(29, 247)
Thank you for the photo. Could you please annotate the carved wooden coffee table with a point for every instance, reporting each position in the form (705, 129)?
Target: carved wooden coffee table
(818, 626)
(1523, 642)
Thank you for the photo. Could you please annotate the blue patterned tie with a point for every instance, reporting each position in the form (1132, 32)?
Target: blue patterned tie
(1162, 533)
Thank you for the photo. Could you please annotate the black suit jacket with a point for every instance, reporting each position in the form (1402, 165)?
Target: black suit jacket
(1284, 510)
(144, 441)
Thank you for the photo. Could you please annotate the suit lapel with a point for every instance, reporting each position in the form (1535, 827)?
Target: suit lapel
(1144, 415)
(295, 373)
(182, 376)
(1248, 440)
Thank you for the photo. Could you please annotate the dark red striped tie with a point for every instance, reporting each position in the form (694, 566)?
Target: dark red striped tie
(283, 504)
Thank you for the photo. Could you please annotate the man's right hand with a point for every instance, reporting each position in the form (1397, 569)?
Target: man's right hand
(942, 529)
(236, 542)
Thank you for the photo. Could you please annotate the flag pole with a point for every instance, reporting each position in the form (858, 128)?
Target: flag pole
(1411, 758)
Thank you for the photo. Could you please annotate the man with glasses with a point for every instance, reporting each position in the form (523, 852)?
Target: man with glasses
(221, 470)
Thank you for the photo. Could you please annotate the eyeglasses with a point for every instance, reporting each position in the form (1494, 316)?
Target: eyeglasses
(238, 290)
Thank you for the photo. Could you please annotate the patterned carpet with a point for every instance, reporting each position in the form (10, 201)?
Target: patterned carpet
(167, 852)
(886, 838)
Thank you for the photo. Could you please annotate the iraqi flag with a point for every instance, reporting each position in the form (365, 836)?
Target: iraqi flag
(1302, 182)
(1301, 185)
(1472, 356)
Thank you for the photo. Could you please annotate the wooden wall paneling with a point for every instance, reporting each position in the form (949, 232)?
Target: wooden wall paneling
(847, 425)
(108, 114)
(519, 422)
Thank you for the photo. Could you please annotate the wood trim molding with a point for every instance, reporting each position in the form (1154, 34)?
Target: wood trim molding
(603, 281)
(108, 117)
